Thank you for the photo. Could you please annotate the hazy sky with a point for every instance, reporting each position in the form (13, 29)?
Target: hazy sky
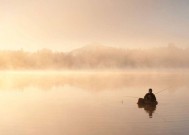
(68, 24)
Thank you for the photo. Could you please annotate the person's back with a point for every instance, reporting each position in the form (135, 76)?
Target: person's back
(150, 97)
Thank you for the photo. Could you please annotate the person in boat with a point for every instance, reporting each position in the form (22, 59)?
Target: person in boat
(150, 97)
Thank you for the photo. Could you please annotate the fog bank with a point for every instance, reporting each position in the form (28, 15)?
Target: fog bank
(96, 57)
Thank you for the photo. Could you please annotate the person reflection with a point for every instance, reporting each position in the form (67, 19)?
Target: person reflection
(150, 109)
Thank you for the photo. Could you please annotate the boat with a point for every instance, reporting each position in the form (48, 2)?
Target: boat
(142, 102)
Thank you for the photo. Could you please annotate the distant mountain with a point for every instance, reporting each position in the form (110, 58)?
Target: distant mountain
(93, 49)
(97, 56)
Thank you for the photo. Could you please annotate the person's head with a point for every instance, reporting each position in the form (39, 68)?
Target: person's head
(150, 90)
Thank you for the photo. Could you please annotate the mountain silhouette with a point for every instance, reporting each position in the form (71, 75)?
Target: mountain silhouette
(97, 56)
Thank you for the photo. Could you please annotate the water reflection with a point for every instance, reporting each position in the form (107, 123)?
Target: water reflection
(92, 81)
(150, 109)
(82, 104)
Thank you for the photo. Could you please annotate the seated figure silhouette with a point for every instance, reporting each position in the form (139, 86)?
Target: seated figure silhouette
(148, 103)
(149, 97)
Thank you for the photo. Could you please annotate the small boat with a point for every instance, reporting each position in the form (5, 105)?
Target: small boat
(142, 102)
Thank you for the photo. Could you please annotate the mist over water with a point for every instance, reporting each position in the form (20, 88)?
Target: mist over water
(60, 87)
(97, 57)
(94, 90)
(78, 103)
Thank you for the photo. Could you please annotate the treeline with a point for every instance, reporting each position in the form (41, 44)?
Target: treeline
(97, 57)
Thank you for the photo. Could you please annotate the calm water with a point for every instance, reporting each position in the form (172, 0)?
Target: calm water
(58, 103)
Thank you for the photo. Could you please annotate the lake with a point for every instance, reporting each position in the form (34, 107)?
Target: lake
(93, 103)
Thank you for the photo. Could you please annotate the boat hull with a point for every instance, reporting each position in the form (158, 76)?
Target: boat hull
(142, 102)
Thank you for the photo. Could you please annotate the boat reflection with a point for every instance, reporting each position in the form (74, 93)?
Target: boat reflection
(150, 109)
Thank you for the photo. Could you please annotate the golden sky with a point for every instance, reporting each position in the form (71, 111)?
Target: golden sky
(68, 24)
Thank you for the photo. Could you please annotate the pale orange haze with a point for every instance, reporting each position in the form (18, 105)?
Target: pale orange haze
(68, 24)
